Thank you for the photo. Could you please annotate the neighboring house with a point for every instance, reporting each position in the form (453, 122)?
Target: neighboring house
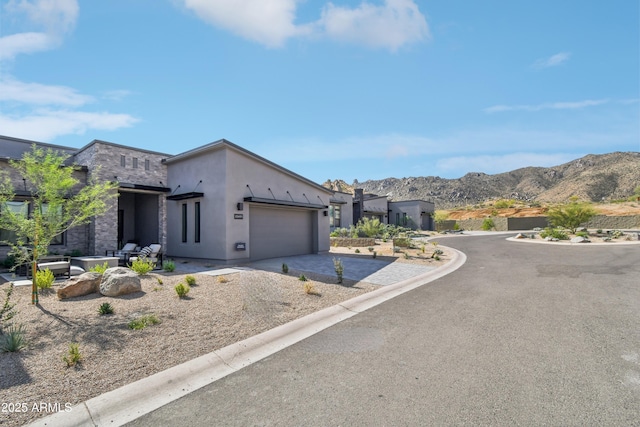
(340, 210)
(414, 214)
(218, 202)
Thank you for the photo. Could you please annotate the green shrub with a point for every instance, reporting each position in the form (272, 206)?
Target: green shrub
(7, 312)
(302, 278)
(143, 321)
(599, 231)
(182, 290)
(357, 251)
(488, 224)
(73, 356)
(105, 308)
(160, 282)
(285, 268)
(570, 215)
(370, 227)
(100, 269)
(191, 280)
(13, 339)
(9, 261)
(456, 226)
(44, 279)
(142, 266)
(582, 233)
(436, 254)
(370, 249)
(554, 233)
(616, 234)
(339, 268)
(169, 266)
(504, 203)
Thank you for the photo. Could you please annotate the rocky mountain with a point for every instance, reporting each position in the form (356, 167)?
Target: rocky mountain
(592, 177)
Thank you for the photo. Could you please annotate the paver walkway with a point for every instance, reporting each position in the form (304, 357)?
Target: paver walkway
(372, 271)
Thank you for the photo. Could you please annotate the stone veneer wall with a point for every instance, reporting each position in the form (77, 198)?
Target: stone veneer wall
(348, 242)
(103, 161)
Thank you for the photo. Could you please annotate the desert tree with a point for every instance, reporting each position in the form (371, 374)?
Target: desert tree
(571, 215)
(57, 201)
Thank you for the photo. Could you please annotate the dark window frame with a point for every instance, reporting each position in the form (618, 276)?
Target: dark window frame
(196, 225)
(184, 223)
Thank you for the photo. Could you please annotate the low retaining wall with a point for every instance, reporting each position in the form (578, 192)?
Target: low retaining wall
(528, 223)
(348, 242)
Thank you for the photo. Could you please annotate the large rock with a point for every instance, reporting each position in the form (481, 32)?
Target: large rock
(118, 281)
(580, 239)
(77, 286)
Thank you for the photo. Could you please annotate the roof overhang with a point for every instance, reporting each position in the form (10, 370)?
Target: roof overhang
(141, 187)
(185, 196)
(290, 203)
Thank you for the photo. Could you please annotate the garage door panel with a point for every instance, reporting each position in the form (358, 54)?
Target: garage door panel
(277, 232)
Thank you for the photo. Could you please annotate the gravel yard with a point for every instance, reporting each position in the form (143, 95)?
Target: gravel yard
(218, 311)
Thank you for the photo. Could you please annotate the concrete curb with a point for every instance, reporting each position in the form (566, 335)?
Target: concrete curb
(134, 400)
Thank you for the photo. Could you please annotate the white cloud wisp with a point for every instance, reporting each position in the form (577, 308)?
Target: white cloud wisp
(552, 61)
(390, 26)
(547, 106)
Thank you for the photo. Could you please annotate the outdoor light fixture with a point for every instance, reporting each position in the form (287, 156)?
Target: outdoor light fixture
(240, 206)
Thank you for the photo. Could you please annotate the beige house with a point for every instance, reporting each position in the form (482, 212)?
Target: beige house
(218, 202)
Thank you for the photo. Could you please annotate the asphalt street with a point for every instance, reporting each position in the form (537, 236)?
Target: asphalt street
(522, 334)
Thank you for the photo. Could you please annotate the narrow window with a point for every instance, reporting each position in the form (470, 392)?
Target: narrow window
(146, 164)
(184, 223)
(397, 218)
(196, 223)
(404, 218)
(336, 216)
(123, 161)
(135, 163)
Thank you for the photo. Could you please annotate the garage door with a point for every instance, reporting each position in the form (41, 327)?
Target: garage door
(275, 232)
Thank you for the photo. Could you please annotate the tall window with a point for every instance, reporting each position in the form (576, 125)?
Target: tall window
(404, 218)
(184, 223)
(123, 161)
(135, 163)
(18, 208)
(196, 223)
(59, 239)
(334, 216)
(146, 164)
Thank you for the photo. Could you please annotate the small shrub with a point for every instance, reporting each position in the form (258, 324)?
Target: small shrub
(7, 312)
(169, 266)
(222, 279)
(73, 356)
(554, 233)
(436, 254)
(436, 257)
(357, 251)
(182, 290)
(599, 231)
(143, 321)
(100, 269)
(105, 308)
(370, 249)
(142, 266)
(302, 278)
(310, 289)
(9, 261)
(339, 268)
(44, 279)
(456, 226)
(285, 268)
(191, 280)
(375, 254)
(582, 233)
(13, 339)
(616, 234)
(160, 282)
(423, 248)
(488, 224)
(406, 255)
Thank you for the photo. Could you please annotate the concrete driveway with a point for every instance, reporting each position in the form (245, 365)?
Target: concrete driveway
(519, 335)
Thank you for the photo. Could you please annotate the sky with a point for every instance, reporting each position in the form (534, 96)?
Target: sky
(365, 89)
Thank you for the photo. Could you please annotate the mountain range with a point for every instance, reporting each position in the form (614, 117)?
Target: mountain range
(594, 177)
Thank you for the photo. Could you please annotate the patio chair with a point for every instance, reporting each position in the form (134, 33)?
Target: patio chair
(123, 254)
(151, 253)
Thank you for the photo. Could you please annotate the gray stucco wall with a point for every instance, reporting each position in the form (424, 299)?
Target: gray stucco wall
(377, 206)
(414, 210)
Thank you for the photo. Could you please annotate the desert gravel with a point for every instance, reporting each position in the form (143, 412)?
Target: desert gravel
(217, 312)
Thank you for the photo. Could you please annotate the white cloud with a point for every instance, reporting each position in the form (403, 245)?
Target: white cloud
(552, 61)
(45, 125)
(547, 106)
(39, 94)
(269, 22)
(54, 19)
(392, 25)
(272, 22)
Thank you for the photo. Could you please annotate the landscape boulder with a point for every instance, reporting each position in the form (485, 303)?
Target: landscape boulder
(118, 281)
(580, 239)
(77, 286)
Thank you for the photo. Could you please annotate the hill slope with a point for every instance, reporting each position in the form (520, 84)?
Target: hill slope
(592, 177)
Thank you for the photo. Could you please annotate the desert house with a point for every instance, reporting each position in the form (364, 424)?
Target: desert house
(218, 201)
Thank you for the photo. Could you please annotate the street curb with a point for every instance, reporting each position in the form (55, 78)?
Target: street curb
(134, 400)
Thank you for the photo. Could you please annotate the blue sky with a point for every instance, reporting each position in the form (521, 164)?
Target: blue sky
(344, 89)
